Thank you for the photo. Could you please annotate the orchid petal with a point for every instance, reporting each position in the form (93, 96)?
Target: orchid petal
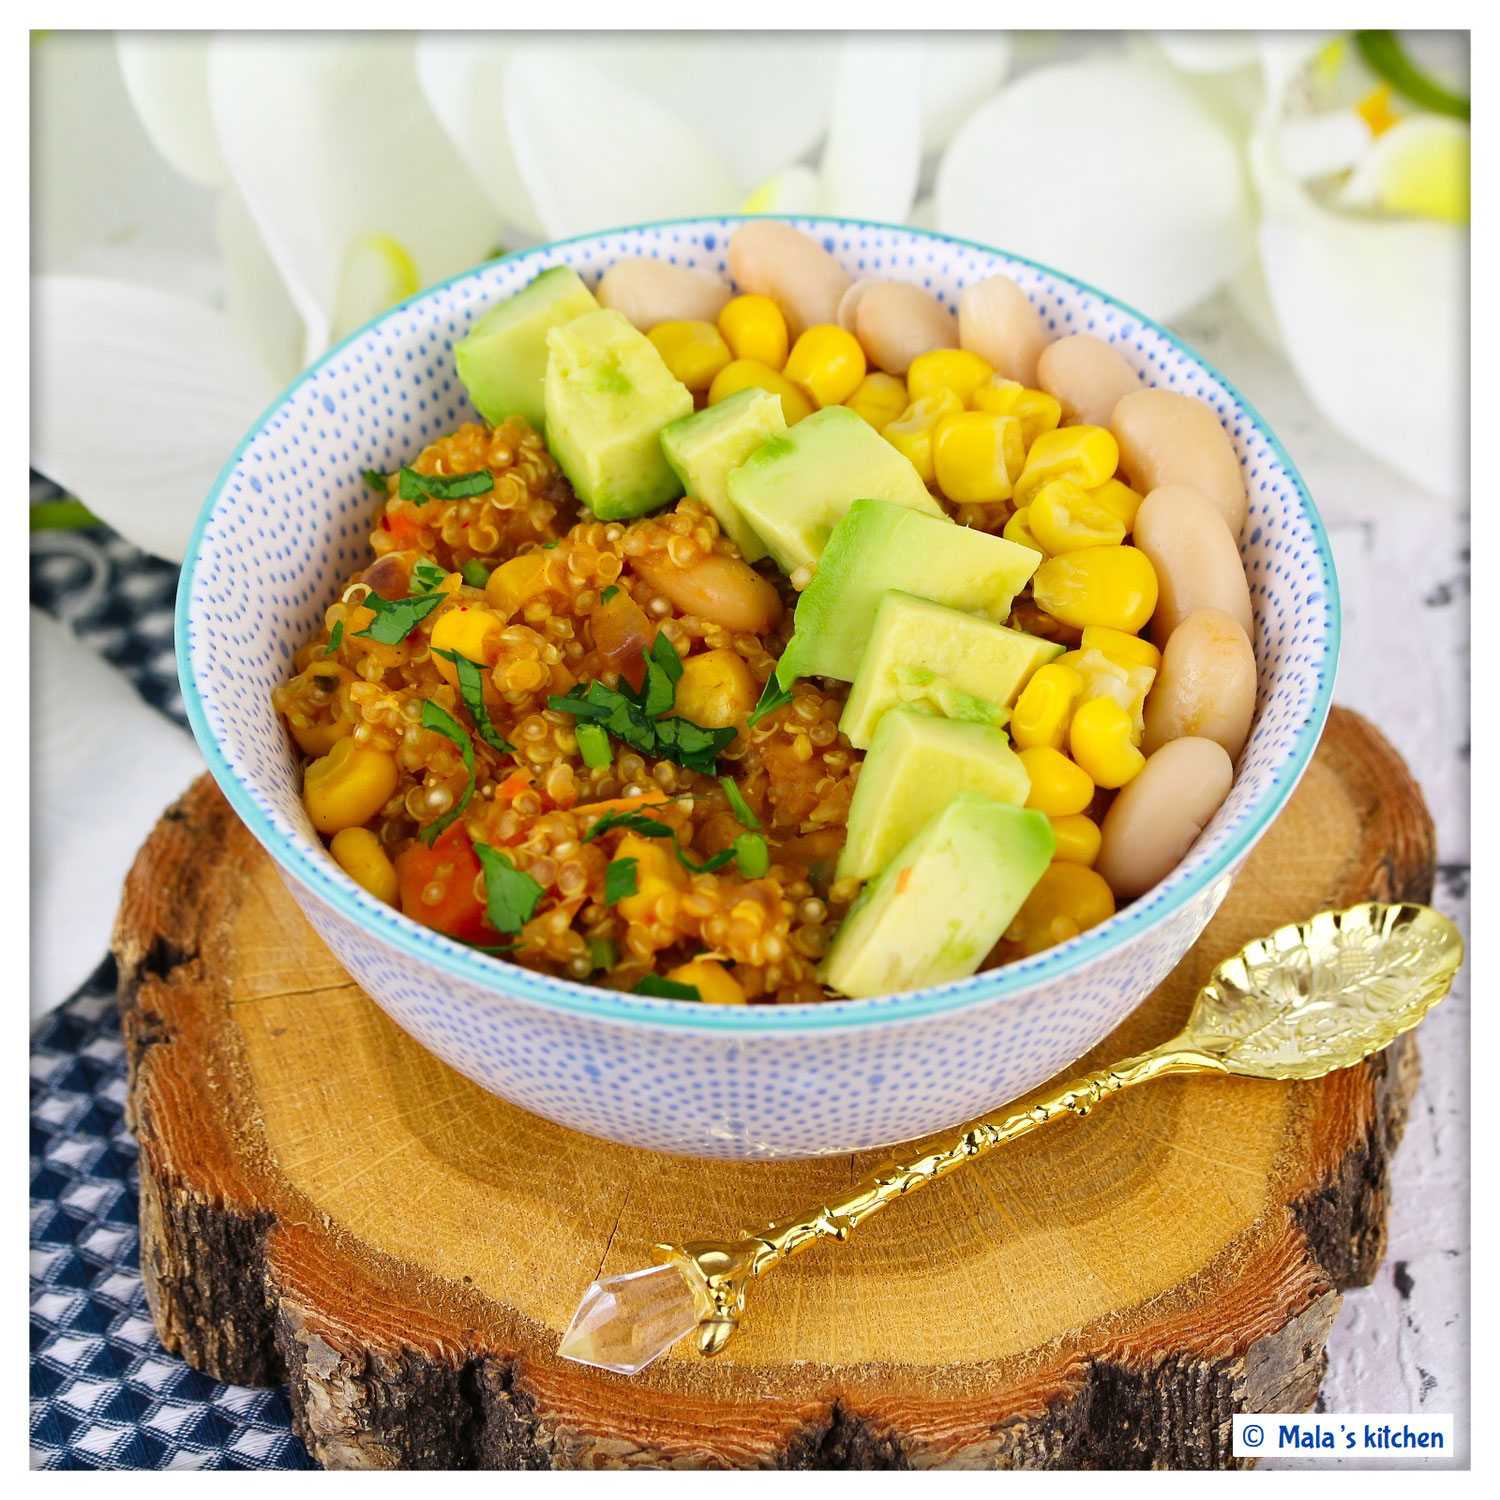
(595, 152)
(166, 74)
(874, 150)
(1208, 51)
(334, 149)
(103, 764)
(256, 300)
(1143, 192)
(463, 78)
(960, 70)
(104, 201)
(138, 397)
(1419, 166)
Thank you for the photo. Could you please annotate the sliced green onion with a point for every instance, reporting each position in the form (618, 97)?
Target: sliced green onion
(593, 745)
(475, 574)
(603, 954)
(751, 855)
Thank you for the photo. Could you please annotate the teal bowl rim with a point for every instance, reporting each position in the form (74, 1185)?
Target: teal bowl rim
(333, 888)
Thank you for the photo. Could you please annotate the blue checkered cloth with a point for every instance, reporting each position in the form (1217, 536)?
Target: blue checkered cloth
(104, 1393)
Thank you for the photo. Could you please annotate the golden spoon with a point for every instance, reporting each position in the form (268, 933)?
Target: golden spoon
(1311, 998)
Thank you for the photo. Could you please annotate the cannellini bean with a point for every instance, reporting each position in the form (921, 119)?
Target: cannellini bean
(717, 587)
(796, 272)
(1155, 818)
(649, 292)
(1168, 438)
(1087, 377)
(1205, 685)
(896, 322)
(849, 303)
(997, 322)
(1196, 560)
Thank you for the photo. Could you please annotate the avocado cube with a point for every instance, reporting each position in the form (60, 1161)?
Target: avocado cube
(796, 487)
(704, 447)
(503, 358)
(919, 650)
(943, 902)
(879, 546)
(915, 763)
(608, 396)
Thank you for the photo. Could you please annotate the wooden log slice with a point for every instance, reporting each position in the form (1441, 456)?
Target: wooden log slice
(324, 1202)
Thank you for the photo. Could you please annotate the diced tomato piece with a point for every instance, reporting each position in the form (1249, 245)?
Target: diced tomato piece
(459, 913)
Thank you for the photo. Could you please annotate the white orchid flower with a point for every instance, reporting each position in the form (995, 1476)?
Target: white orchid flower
(1364, 255)
(1109, 168)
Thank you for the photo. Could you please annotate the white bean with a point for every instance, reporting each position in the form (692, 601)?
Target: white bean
(1168, 438)
(1087, 376)
(896, 322)
(649, 292)
(849, 303)
(1206, 685)
(999, 324)
(1196, 560)
(1155, 819)
(790, 268)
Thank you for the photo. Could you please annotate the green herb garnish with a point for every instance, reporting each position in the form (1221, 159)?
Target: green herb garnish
(619, 880)
(376, 480)
(751, 855)
(395, 619)
(593, 745)
(335, 638)
(603, 954)
(609, 593)
(475, 574)
(651, 828)
(665, 989)
(435, 717)
(737, 804)
(510, 895)
(427, 576)
(471, 690)
(772, 696)
(420, 488)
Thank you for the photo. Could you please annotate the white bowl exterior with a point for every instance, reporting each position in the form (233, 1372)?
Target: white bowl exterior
(289, 521)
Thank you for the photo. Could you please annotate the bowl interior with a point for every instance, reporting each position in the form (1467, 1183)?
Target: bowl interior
(288, 520)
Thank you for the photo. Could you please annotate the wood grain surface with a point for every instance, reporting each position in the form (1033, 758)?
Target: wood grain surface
(322, 1201)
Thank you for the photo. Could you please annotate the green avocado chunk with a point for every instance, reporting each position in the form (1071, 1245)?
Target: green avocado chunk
(944, 901)
(503, 358)
(921, 652)
(796, 487)
(704, 447)
(915, 763)
(879, 546)
(608, 396)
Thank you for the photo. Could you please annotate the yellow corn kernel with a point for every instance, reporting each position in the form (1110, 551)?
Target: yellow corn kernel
(714, 983)
(754, 328)
(958, 370)
(1113, 586)
(657, 871)
(975, 456)
(1068, 899)
(515, 583)
(716, 689)
(348, 786)
(1127, 683)
(1058, 787)
(828, 362)
(879, 399)
(911, 433)
(1041, 714)
(1124, 650)
(1116, 495)
(1018, 530)
(1064, 518)
(1086, 455)
(741, 374)
(468, 631)
(694, 351)
(1078, 839)
(360, 855)
(1036, 411)
(1100, 739)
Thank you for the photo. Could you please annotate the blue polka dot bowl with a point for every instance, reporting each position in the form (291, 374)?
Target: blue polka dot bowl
(288, 520)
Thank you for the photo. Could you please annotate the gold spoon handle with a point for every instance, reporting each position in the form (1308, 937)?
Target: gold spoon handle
(719, 1271)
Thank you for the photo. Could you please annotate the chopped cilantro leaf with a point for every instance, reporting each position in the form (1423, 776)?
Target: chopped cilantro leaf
(395, 619)
(609, 593)
(664, 654)
(427, 576)
(665, 989)
(772, 697)
(376, 480)
(751, 855)
(619, 880)
(421, 488)
(603, 954)
(335, 638)
(651, 828)
(436, 717)
(510, 895)
(471, 690)
(633, 717)
(737, 804)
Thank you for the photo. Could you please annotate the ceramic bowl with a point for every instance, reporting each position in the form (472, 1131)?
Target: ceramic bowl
(287, 522)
